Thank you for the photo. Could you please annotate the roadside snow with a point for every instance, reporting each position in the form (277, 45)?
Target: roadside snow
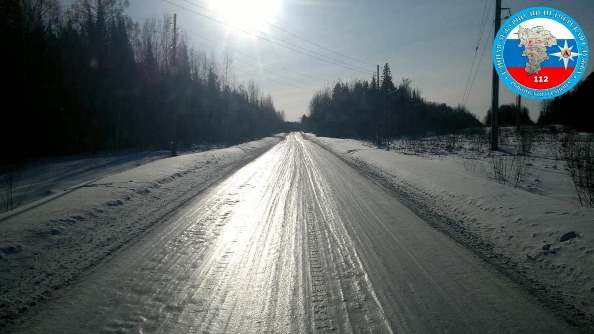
(38, 181)
(525, 224)
(45, 247)
(41, 179)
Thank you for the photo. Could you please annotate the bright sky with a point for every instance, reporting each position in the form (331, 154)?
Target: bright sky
(313, 43)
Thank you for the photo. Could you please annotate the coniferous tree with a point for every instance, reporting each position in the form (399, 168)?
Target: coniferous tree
(363, 110)
(387, 83)
(510, 115)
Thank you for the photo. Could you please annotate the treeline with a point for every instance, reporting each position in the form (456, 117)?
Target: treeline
(380, 110)
(89, 78)
(573, 108)
(510, 115)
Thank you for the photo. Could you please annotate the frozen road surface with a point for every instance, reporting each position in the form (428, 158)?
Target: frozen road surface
(295, 242)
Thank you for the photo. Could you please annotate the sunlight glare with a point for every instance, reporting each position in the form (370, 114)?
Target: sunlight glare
(246, 15)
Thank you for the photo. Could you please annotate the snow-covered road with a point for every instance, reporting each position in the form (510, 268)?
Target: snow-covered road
(294, 242)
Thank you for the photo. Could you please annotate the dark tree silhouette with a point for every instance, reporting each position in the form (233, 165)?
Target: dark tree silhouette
(387, 83)
(89, 79)
(380, 111)
(510, 115)
(572, 109)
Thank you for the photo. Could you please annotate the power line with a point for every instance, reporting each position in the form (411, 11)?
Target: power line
(295, 35)
(474, 57)
(477, 67)
(480, 60)
(291, 82)
(362, 62)
(476, 51)
(304, 75)
(246, 55)
(269, 40)
(341, 62)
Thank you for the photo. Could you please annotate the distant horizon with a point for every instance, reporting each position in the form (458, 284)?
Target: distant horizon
(308, 46)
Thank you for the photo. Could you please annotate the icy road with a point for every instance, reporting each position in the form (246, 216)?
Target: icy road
(295, 242)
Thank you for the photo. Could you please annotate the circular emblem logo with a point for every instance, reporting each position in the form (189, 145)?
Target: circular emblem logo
(540, 52)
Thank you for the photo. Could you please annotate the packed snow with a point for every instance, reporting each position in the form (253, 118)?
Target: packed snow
(38, 181)
(532, 225)
(537, 226)
(44, 247)
(296, 241)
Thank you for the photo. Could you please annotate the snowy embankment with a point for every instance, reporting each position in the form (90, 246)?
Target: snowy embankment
(39, 181)
(537, 233)
(46, 247)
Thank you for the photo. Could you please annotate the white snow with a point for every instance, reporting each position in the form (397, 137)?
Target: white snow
(44, 247)
(522, 223)
(41, 180)
(296, 241)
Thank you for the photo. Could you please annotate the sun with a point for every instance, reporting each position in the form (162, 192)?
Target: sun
(247, 15)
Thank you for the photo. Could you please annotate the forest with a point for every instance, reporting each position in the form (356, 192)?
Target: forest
(379, 110)
(510, 115)
(573, 108)
(88, 78)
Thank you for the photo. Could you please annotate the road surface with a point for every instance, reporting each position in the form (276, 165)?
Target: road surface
(295, 242)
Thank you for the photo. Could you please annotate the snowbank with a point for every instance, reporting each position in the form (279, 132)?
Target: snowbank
(540, 235)
(43, 179)
(46, 247)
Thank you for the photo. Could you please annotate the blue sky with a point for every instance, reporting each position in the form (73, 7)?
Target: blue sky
(431, 42)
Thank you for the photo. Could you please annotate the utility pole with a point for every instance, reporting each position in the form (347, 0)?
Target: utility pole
(378, 81)
(174, 68)
(174, 55)
(519, 111)
(379, 131)
(495, 86)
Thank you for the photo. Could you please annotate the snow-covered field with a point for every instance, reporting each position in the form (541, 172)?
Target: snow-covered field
(44, 247)
(535, 230)
(38, 181)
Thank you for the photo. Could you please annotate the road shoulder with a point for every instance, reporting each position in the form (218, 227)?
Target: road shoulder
(484, 224)
(51, 246)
